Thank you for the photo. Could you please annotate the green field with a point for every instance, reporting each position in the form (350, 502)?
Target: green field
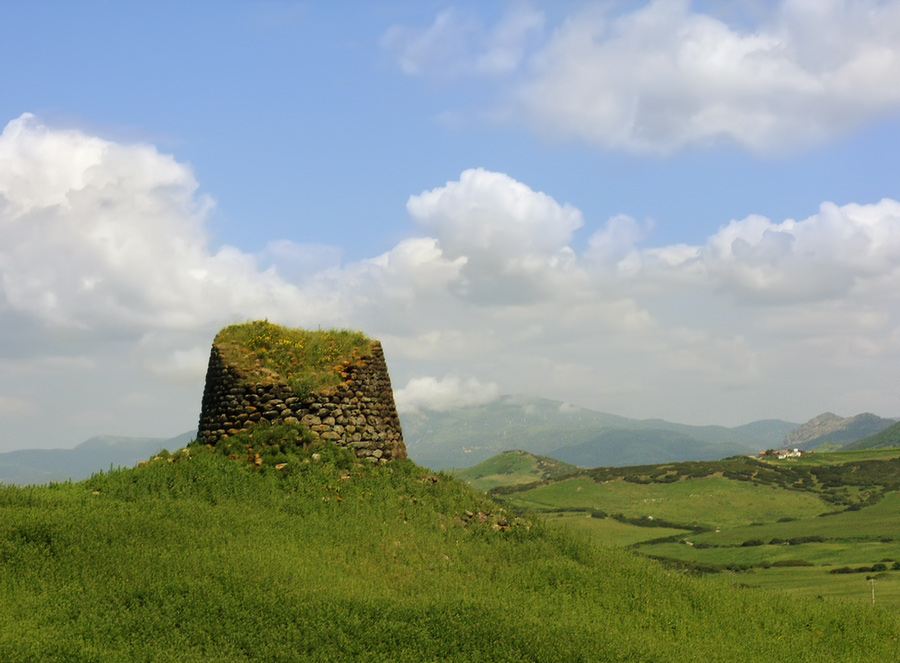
(839, 458)
(713, 501)
(815, 583)
(608, 531)
(880, 520)
(513, 468)
(827, 553)
(847, 503)
(312, 557)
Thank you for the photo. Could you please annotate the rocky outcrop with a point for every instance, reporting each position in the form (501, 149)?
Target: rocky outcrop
(358, 413)
(835, 430)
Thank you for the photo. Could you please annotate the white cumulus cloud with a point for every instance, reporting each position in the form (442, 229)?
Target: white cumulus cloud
(101, 234)
(832, 254)
(509, 235)
(109, 287)
(449, 393)
(664, 76)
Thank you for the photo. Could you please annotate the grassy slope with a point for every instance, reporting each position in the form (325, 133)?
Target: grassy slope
(772, 500)
(712, 501)
(512, 468)
(211, 559)
(889, 437)
(608, 531)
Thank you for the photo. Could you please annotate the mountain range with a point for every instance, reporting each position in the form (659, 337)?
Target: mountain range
(467, 436)
(37, 466)
(831, 431)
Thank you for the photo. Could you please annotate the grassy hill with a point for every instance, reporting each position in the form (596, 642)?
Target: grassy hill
(271, 550)
(511, 468)
(799, 524)
(889, 437)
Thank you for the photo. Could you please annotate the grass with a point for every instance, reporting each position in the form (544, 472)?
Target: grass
(308, 556)
(817, 583)
(308, 361)
(837, 458)
(848, 503)
(513, 468)
(713, 501)
(608, 531)
(826, 553)
(872, 522)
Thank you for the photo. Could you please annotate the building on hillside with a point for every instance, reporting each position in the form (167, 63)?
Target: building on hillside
(782, 453)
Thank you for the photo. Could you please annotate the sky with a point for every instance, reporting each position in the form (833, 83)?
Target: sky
(673, 209)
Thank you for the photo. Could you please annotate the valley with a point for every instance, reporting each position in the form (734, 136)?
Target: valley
(822, 525)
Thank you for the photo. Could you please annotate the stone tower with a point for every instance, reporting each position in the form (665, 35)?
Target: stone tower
(358, 412)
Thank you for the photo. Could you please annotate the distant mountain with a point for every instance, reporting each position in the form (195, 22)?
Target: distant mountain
(464, 437)
(889, 437)
(37, 466)
(832, 431)
(619, 447)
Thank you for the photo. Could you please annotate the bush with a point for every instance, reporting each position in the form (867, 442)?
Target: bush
(752, 542)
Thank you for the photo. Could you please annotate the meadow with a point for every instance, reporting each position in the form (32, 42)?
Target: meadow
(822, 525)
(206, 555)
(710, 502)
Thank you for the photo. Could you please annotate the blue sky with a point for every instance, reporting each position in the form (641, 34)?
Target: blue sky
(672, 209)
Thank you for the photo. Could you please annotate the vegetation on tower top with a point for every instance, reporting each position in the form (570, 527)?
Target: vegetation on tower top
(305, 360)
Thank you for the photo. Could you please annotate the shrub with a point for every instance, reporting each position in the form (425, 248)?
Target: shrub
(752, 542)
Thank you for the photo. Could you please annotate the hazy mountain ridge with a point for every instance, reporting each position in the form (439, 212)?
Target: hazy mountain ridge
(830, 429)
(465, 437)
(36, 466)
(889, 437)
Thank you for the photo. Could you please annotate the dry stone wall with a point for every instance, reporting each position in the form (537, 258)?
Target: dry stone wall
(358, 413)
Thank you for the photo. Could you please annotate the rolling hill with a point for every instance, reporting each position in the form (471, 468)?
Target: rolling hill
(278, 552)
(800, 524)
(889, 437)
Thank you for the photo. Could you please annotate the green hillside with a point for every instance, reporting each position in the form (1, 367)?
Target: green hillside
(889, 437)
(511, 468)
(763, 522)
(272, 550)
